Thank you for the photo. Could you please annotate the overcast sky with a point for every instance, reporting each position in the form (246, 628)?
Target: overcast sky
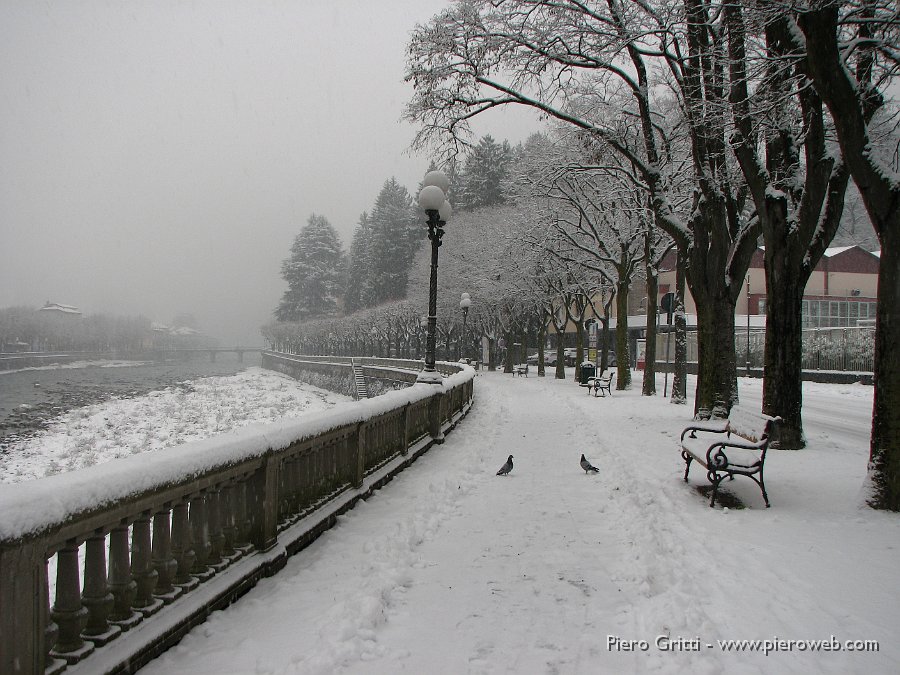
(159, 157)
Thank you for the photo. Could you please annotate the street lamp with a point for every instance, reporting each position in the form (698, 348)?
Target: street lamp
(464, 303)
(433, 200)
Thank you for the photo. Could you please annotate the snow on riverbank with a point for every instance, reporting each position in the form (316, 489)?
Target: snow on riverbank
(161, 419)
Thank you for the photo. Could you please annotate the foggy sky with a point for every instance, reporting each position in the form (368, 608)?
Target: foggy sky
(159, 157)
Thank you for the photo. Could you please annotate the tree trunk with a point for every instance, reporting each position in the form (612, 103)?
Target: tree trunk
(716, 368)
(623, 373)
(579, 348)
(649, 385)
(884, 453)
(560, 356)
(542, 336)
(679, 372)
(783, 384)
(508, 361)
(880, 192)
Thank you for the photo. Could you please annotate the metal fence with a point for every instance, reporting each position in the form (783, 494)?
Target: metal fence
(850, 349)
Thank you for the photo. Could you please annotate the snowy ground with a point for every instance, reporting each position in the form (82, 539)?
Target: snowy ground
(451, 569)
(165, 418)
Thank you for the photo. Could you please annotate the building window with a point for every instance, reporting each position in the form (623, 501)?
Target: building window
(835, 313)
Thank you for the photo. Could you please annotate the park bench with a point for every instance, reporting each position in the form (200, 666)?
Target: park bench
(728, 448)
(520, 369)
(597, 385)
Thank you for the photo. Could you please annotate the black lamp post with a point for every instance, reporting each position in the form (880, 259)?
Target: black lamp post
(433, 201)
(464, 303)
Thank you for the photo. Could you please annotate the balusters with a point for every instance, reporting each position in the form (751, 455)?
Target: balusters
(348, 457)
(126, 576)
(404, 448)
(121, 584)
(305, 482)
(68, 613)
(226, 511)
(142, 570)
(284, 482)
(216, 538)
(241, 517)
(96, 596)
(51, 630)
(359, 465)
(182, 548)
(200, 535)
(288, 502)
(163, 558)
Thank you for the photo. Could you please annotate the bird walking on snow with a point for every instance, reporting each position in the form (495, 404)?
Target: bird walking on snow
(587, 466)
(506, 468)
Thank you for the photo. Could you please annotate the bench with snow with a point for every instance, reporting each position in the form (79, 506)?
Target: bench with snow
(728, 448)
(520, 369)
(597, 385)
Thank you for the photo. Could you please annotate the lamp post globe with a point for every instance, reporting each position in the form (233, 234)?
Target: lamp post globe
(437, 178)
(433, 200)
(464, 303)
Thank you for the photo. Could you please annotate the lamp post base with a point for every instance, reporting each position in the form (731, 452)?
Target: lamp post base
(429, 377)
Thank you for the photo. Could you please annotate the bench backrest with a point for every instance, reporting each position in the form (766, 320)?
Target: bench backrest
(750, 424)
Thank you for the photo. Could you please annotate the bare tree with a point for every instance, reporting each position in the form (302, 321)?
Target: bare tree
(797, 185)
(851, 57)
(568, 60)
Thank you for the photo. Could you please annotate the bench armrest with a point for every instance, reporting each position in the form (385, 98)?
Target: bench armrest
(711, 427)
(744, 444)
(749, 453)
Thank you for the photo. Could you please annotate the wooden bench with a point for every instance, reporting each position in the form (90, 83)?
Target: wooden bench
(728, 448)
(597, 385)
(520, 369)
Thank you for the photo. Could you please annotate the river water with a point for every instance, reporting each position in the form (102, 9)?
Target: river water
(30, 398)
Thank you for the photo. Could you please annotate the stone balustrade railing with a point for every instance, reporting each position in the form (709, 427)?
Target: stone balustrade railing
(144, 548)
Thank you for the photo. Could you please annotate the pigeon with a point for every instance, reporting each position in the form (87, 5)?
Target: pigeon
(587, 466)
(506, 468)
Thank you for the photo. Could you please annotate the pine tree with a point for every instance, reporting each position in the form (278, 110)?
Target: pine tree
(395, 237)
(485, 170)
(358, 265)
(314, 273)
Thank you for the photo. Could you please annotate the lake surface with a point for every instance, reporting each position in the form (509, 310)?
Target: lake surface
(30, 398)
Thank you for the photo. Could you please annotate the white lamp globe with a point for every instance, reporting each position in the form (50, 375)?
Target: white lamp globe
(431, 197)
(438, 178)
(445, 211)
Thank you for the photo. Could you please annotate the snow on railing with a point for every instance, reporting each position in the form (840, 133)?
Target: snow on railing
(169, 536)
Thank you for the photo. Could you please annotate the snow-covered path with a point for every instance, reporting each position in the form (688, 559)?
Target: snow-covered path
(451, 569)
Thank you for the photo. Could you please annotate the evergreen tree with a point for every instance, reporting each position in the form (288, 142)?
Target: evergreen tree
(485, 170)
(358, 265)
(395, 237)
(314, 273)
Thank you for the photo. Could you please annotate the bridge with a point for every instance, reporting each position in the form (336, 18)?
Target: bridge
(144, 548)
(211, 351)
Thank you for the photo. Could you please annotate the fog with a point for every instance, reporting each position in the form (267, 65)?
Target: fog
(159, 158)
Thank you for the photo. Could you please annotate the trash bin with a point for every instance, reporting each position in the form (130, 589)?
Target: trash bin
(588, 370)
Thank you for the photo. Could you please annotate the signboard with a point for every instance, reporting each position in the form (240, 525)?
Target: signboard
(641, 353)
